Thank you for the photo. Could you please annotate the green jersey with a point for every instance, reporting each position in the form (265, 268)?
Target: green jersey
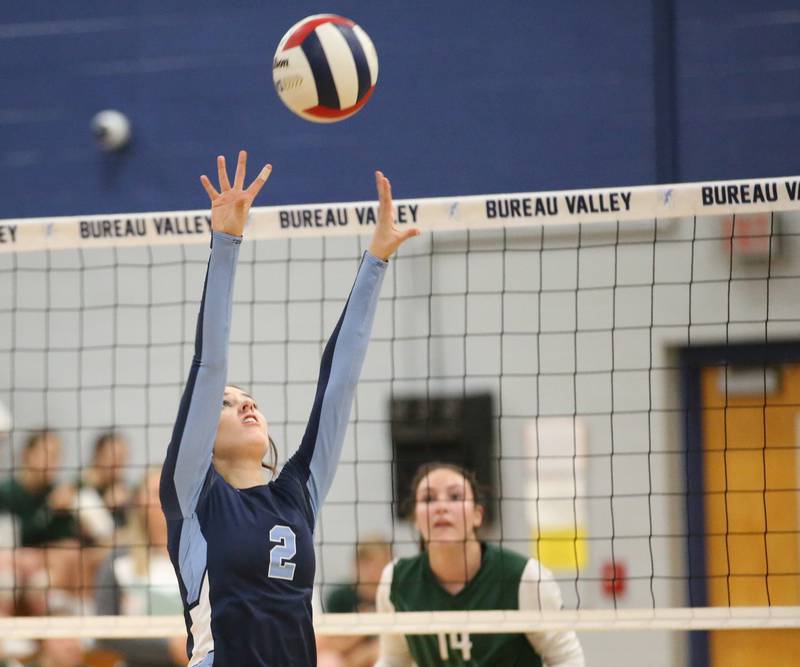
(505, 580)
(342, 600)
(38, 523)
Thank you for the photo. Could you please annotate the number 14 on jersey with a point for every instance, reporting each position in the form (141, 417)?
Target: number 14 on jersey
(454, 641)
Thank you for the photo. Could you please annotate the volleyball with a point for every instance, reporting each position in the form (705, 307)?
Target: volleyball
(325, 68)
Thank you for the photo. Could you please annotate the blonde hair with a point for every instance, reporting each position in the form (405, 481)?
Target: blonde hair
(136, 535)
(373, 546)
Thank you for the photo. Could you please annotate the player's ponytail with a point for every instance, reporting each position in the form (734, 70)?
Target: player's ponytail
(272, 464)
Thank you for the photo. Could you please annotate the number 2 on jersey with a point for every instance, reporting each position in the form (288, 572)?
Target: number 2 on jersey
(279, 555)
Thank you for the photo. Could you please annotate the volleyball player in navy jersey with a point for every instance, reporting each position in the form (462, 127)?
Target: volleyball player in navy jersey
(242, 545)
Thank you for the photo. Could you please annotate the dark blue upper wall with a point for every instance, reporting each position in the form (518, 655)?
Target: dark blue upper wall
(472, 97)
(738, 68)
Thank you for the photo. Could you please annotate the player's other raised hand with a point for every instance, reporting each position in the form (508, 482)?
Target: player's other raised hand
(231, 204)
(387, 237)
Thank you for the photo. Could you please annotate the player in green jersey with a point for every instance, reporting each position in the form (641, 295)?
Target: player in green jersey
(457, 572)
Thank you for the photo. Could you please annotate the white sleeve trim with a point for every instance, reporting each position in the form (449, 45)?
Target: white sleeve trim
(393, 648)
(539, 591)
(201, 626)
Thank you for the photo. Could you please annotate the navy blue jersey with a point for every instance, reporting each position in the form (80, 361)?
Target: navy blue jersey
(245, 557)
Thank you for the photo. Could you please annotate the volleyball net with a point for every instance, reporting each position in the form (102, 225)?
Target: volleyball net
(620, 366)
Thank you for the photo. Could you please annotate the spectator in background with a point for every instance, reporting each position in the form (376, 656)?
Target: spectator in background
(7, 533)
(372, 555)
(138, 579)
(6, 422)
(41, 507)
(43, 560)
(60, 652)
(103, 496)
(8, 649)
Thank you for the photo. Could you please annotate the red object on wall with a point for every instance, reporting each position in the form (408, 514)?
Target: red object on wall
(614, 578)
(751, 236)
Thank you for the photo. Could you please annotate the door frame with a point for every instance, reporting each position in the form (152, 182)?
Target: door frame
(692, 360)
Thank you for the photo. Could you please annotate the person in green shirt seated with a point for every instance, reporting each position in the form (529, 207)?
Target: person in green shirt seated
(372, 555)
(42, 554)
(41, 507)
(458, 572)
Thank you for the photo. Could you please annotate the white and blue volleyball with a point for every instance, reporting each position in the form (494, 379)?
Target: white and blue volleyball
(325, 68)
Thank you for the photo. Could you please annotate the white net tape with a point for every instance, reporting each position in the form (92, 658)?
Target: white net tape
(427, 623)
(435, 213)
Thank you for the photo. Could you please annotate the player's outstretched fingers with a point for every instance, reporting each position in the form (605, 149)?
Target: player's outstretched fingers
(212, 193)
(241, 169)
(400, 237)
(222, 173)
(256, 185)
(409, 233)
(384, 188)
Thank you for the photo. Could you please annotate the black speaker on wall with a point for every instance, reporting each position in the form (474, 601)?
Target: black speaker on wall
(452, 429)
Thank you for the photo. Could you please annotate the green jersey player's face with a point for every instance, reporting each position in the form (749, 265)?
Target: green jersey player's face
(445, 508)
(242, 431)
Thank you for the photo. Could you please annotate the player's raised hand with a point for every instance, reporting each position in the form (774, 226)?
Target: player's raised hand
(387, 237)
(230, 206)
